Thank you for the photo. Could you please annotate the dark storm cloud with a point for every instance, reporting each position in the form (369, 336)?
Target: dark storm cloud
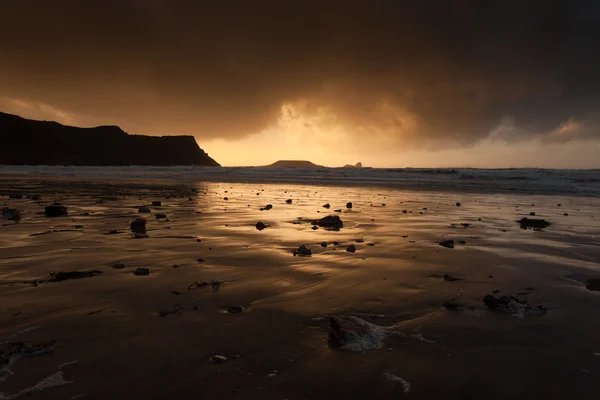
(413, 70)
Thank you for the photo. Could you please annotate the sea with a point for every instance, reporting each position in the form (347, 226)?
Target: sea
(573, 182)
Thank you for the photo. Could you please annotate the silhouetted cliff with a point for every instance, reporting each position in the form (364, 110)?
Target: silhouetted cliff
(28, 142)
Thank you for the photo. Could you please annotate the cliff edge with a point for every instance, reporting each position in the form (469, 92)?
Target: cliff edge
(29, 142)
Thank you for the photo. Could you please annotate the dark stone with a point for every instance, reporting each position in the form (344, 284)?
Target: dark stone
(201, 260)
(314, 228)
(156, 204)
(15, 196)
(159, 216)
(326, 205)
(533, 223)
(343, 329)
(225, 198)
(235, 309)
(144, 210)
(267, 207)
(449, 243)
(457, 204)
(349, 205)
(449, 278)
(141, 272)
(462, 242)
(35, 197)
(56, 210)
(12, 214)
(216, 359)
(289, 201)
(63, 276)
(119, 266)
(176, 266)
(593, 284)
(138, 226)
(513, 306)
(336, 243)
(404, 211)
(324, 244)
(260, 226)
(338, 210)
(303, 251)
(532, 213)
(566, 214)
(351, 248)
(331, 221)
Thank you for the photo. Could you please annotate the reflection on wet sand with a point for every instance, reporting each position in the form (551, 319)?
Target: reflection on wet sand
(206, 284)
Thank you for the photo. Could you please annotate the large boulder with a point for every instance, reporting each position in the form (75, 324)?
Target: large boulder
(138, 226)
(56, 210)
(12, 214)
(331, 221)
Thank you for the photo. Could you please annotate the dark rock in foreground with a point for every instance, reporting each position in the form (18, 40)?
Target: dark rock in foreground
(141, 272)
(260, 226)
(12, 214)
(533, 223)
(331, 221)
(349, 205)
(449, 243)
(50, 143)
(156, 204)
(138, 226)
(55, 210)
(351, 248)
(63, 276)
(302, 251)
(513, 306)
(593, 284)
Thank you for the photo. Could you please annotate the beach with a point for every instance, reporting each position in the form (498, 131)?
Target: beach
(218, 286)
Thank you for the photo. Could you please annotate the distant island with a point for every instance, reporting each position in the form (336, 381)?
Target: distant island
(29, 142)
(293, 164)
(357, 165)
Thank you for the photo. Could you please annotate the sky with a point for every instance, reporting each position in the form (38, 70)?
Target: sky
(389, 83)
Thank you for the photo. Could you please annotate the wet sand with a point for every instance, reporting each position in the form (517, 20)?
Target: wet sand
(109, 340)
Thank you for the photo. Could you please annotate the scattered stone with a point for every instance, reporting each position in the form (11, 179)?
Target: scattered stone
(465, 225)
(355, 334)
(324, 244)
(331, 221)
(267, 207)
(532, 213)
(225, 198)
(314, 228)
(144, 210)
(156, 204)
(457, 204)
(216, 359)
(336, 243)
(15, 196)
(138, 226)
(303, 251)
(360, 240)
(326, 205)
(349, 205)
(201, 260)
(63, 276)
(462, 242)
(513, 306)
(55, 210)
(404, 211)
(35, 197)
(566, 214)
(12, 214)
(533, 223)
(260, 226)
(119, 266)
(449, 278)
(593, 284)
(289, 201)
(449, 243)
(159, 216)
(558, 205)
(371, 244)
(176, 266)
(351, 248)
(141, 272)
(235, 309)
